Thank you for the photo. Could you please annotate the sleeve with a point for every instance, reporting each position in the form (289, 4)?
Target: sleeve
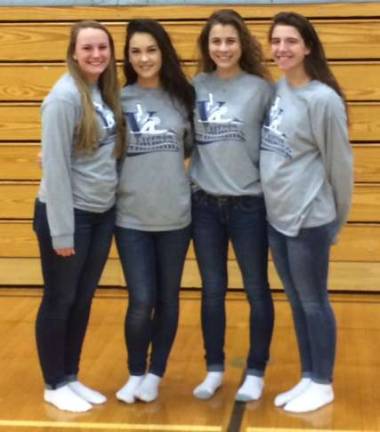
(337, 156)
(58, 125)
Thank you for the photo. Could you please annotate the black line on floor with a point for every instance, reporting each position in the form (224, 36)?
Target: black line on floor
(236, 417)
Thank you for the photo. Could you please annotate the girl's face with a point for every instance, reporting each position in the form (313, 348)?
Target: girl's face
(145, 57)
(288, 49)
(224, 47)
(92, 53)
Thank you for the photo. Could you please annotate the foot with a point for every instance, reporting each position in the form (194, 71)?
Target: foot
(252, 389)
(209, 386)
(285, 397)
(86, 393)
(148, 389)
(127, 393)
(65, 399)
(314, 397)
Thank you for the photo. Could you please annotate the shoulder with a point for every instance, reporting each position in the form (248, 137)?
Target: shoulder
(63, 92)
(201, 78)
(323, 95)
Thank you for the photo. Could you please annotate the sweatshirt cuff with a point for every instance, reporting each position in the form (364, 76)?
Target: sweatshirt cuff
(63, 241)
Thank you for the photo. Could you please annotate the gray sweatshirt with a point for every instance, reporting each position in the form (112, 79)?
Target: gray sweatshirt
(69, 180)
(306, 158)
(154, 189)
(229, 116)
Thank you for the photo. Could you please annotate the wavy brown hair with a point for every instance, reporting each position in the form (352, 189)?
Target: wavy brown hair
(88, 132)
(315, 63)
(252, 57)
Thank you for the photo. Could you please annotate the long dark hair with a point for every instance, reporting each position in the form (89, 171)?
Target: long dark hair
(315, 63)
(252, 57)
(172, 78)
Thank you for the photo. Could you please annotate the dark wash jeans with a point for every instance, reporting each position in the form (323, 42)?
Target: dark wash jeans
(216, 220)
(153, 264)
(69, 286)
(302, 263)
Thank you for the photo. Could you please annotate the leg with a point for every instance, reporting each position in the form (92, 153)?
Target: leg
(279, 249)
(248, 232)
(211, 245)
(138, 259)
(101, 231)
(309, 258)
(60, 282)
(171, 249)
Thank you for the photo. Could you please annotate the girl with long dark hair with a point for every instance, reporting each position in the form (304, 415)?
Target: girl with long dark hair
(306, 171)
(153, 207)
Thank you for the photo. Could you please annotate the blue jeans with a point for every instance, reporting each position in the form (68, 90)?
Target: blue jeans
(69, 286)
(302, 264)
(153, 264)
(216, 220)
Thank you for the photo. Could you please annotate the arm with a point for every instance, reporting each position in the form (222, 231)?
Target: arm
(337, 157)
(58, 124)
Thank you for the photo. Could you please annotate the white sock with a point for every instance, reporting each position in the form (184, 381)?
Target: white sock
(65, 399)
(127, 393)
(209, 386)
(315, 396)
(148, 389)
(283, 398)
(252, 389)
(86, 393)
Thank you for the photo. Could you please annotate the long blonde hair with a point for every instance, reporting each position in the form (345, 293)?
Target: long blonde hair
(88, 132)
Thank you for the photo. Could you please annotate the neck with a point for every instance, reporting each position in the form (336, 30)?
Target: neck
(228, 73)
(149, 83)
(297, 78)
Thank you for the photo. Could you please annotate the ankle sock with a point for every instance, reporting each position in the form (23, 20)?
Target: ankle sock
(66, 399)
(209, 386)
(86, 393)
(314, 397)
(283, 398)
(148, 389)
(251, 389)
(127, 393)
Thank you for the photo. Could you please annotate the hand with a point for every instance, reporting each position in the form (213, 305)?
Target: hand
(65, 252)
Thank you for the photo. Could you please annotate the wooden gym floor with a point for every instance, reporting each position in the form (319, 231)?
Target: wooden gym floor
(357, 405)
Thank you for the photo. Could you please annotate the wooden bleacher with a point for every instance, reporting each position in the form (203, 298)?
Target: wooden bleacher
(32, 50)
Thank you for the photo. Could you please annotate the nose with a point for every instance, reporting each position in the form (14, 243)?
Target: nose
(96, 52)
(282, 45)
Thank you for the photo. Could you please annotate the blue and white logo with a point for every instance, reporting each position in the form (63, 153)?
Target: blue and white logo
(149, 137)
(272, 138)
(218, 125)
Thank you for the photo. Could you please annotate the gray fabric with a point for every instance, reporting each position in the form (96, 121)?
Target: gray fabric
(229, 116)
(70, 180)
(154, 190)
(306, 158)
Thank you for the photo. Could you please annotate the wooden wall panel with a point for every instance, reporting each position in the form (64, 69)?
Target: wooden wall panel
(344, 276)
(32, 51)
(183, 12)
(344, 39)
(357, 243)
(21, 122)
(32, 82)
(20, 162)
(16, 201)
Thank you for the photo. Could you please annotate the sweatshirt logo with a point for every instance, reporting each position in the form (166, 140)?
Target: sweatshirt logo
(272, 138)
(148, 136)
(217, 124)
(107, 122)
